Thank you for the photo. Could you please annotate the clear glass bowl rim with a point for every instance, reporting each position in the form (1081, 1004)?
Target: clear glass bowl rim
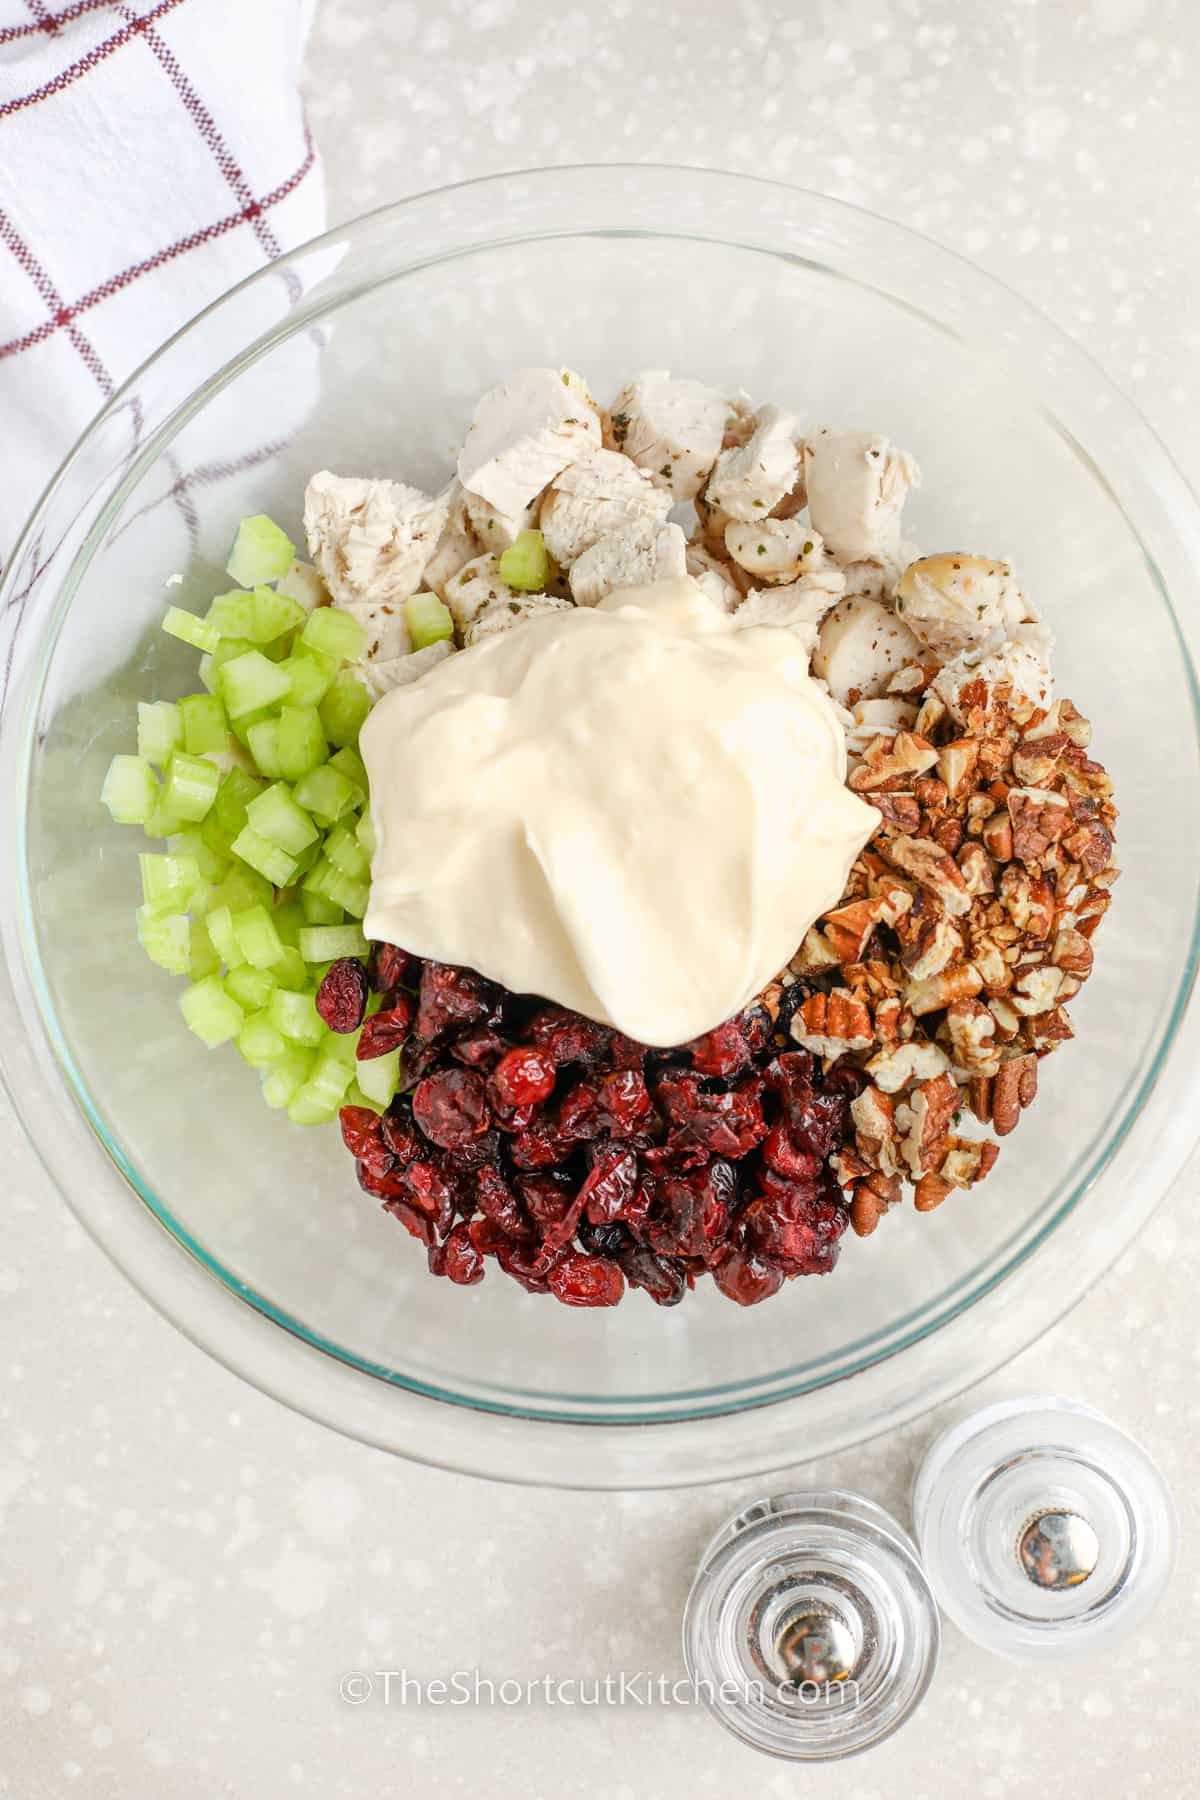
(242, 1330)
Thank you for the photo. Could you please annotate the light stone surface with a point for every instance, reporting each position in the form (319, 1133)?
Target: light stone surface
(186, 1569)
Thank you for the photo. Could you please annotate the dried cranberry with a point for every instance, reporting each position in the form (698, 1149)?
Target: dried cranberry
(569, 1038)
(390, 966)
(626, 1052)
(662, 1277)
(383, 1183)
(693, 1213)
(756, 1026)
(498, 1203)
(846, 1078)
(537, 1147)
(486, 1235)
(780, 1153)
(476, 1153)
(387, 1029)
(747, 1278)
(790, 1226)
(411, 1219)
(610, 1185)
(457, 1259)
(424, 1185)
(479, 1048)
(723, 1051)
(703, 1124)
(524, 1077)
(450, 997)
(624, 1097)
(342, 995)
(450, 1107)
(604, 1240)
(399, 1133)
(581, 1280)
(526, 1265)
(579, 1116)
(361, 1129)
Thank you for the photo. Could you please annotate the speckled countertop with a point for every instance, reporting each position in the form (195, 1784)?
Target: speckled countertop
(185, 1568)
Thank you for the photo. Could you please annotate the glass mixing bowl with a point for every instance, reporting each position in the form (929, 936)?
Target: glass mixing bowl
(364, 352)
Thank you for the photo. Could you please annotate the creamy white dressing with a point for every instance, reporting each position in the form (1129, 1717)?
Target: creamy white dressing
(634, 809)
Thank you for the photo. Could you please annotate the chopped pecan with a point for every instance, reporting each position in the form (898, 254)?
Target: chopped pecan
(894, 1067)
(998, 836)
(1084, 776)
(1008, 1023)
(956, 766)
(832, 1024)
(1039, 818)
(934, 868)
(1072, 952)
(872, 1197)
(924, 1121)
(967, 1161)
(1014, 1087)
(961, 981)
(874, 1115)
(848, 928)
(1077, 728)
(815, 955)
(930, 1191)
(971, 1028)
(901, 810)
(979, 1097)
(1046, 1031)
(988, 958)
(976, 870)
(1036, 991)
(895, 759)
(1028, 899)
(1090, 841)
(1035, 760)
(933, 711)
(1090, 912)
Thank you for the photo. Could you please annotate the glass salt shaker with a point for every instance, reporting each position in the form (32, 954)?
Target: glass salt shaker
(1044, 1530)
(810, 1631)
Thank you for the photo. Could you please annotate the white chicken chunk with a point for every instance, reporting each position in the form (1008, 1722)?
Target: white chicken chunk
(303, 583)
(591, 499)
(476, 585)
(957, 602)
(856, 483)
(776, 549)
(671, 427)
(755, 478)
(644, 552)
(379, 678)
(457, 544)
(1022, 661)
(799, 606)
(524, 433)
(371, 539)
(386, 628)
(494, 530)
(720, 580)
(861, 646)
(502, 615)
(882, 717)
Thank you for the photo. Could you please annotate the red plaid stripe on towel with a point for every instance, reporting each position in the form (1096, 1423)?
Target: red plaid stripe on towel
(151, 154)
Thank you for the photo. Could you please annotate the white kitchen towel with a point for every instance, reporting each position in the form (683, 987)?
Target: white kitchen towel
(152, 153)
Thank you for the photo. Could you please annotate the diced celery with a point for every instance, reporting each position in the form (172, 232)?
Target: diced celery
(205, 726)
(275, 816)
(166, 938)
(191, 786)
(244, 887)
(296, 1016)
(323, 1093)
(301, 741)
(232, 616)
(364, 831)
(210, 1012)
(347, 854)
(228, 650)
(310, 674)
(314, 882)
(309, 1106)
(324, 943)
(356, 1095)
(251, 988)
(189, 629)
(334, 633)
(274, 615)
(203, 959)
(251, 681)
(262, 551)
(260, 1042)
(286, 1076)
(263, 739)
(160, 730)
(130, 790)
(210, 845)
(208, 674)
(229, 807)
(349, 763)
(164, 821)
(220, 929)
(344, 708)
(319, 909)
(306, 858)
(525, 565)
(352, 896)
(326, 794)
(429, 620)
(274, 864)
(289, 917)
(258, 940)
(291, 971)
(342, 1046)
(379, 1077)
(168, 882)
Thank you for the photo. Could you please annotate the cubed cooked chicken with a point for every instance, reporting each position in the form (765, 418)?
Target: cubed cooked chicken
(856, 483)
(386, 629)
(642, 552)
(371, 539)
(457, 544)
(1022, 663)
(495, 530)
(671, 427)
(595, 497)
(502, 615)
(524, 433)
(302, 582)
(723, 582)
(757, 477)
(776, 549)
(861, 646)
(476, 585)
(956, 602)
(799, 605)
(379, 678)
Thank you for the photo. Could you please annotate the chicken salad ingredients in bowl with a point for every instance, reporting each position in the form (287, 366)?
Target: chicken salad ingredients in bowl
(640, 878)
(252, 1234)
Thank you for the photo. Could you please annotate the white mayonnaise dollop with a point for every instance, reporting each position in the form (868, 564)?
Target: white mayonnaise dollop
(635, 809)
